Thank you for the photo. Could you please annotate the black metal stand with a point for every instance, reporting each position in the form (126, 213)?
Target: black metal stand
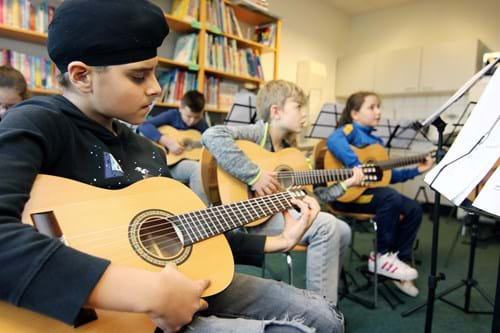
(433, 279)
(469, 282)
(495, 325)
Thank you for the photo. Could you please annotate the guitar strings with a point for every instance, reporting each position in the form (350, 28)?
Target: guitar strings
(196, 224)
(168, 243)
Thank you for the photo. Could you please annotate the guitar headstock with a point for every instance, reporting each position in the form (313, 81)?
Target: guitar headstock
(372, 173)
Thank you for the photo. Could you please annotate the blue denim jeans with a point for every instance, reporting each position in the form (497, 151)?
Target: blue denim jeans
(393, 234)
(327, 241)
(188, 172)
(252, 305)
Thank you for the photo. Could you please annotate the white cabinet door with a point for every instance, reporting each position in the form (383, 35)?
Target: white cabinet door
(447, 66)
(355, 73)
(398, 71)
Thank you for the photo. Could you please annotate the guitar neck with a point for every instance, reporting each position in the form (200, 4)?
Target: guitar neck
(313, 177)
(203, 224)
(400, 162)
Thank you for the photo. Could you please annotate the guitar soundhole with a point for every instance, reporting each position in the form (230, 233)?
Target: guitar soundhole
(286, 179)
(159, 238)
(156, 239)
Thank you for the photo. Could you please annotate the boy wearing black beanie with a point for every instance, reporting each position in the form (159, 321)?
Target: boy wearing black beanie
(106, 53)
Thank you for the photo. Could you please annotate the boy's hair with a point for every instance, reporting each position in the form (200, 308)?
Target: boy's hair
(194, 100)
(63, 78)
(354, 103)
(275, 93)
(12, 78)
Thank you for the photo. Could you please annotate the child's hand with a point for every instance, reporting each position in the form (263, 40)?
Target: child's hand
(356, 179)
(426, 164)
(178, 298)
(294, 229)
(171, 144)
(267, 184)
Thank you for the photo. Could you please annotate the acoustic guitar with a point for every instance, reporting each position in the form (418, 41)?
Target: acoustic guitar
(146, 225)
(374, 155)
(289, 163)
(190, 139)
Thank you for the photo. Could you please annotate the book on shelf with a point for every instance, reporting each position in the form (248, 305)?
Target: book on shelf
(186, 9)
(186, 48)
(211, 92)
(175, 83)
(26, 14)
(227, 93)
(265, 34)
(222, 17)
(223, 54)
(39, 72)
(259, 5)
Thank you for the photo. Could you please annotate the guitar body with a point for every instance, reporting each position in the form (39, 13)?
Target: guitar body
(231, 189)
(366, 155)
(191, 139)
(106, 223)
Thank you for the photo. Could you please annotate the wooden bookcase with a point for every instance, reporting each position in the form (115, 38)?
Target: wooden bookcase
(245, 15)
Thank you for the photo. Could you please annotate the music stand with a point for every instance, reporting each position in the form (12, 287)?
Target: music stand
(243, 111)
(326, 122)
(436, 120)
(328, 118)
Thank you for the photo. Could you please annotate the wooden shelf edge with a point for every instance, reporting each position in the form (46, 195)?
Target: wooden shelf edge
(233, 76)
(261, 47)
(180, 25)
(23, 34)
(169, 62)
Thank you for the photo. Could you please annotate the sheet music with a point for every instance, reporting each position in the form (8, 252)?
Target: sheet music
(475, 150)
(489, 196)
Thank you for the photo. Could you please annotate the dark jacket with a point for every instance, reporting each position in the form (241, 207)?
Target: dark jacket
(50, 135)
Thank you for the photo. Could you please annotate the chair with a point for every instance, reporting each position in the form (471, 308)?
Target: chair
(289, 262)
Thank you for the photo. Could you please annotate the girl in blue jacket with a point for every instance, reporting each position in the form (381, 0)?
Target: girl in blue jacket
(398, 217)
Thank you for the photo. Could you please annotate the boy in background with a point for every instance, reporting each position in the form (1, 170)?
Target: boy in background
(107, 76)
(281, 119)
(189, 116)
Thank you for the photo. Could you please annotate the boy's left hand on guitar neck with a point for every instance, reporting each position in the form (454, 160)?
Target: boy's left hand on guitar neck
(426, 164)
(294, 228)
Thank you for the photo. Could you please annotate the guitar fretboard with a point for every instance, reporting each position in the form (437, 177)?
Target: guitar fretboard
(203, 224)
(312, 177)
(399, 162)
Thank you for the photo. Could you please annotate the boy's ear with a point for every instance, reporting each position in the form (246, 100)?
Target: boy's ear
(79, 75)
(274, 112)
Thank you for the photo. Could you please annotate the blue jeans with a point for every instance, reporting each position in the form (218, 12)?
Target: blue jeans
(394, 233)
(189, 172)
(327, 241)
(253, 305)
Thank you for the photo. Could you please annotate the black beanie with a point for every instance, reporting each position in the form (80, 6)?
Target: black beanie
(105, 32)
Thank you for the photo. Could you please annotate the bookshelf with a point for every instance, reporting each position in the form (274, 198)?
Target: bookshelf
(247, 18)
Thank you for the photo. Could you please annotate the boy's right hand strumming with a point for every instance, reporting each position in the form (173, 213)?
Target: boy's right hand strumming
(266, 184)
(177, 299)
(172, 145)
(168, 297)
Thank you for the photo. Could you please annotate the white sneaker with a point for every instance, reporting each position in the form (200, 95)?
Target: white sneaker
(406, 287)
(389, 265)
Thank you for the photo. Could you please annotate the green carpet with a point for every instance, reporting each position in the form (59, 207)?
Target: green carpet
(446, 318)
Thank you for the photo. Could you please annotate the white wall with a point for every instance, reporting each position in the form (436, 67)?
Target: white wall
(311, 30)
(426, 22)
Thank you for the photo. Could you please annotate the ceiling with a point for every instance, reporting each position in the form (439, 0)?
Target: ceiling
(358, 7)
